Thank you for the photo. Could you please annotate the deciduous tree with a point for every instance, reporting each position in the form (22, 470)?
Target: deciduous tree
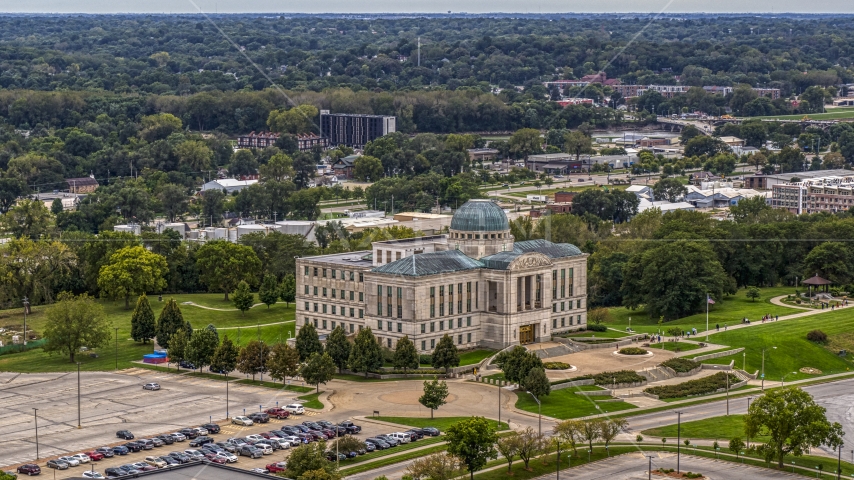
(473, 441)
(405, 355)
(366, 354)
(537, 382)
(178, 347)
(318, 369)
(201, 347)
(508, 447)
(74, 322)
(252, 359)
(435, 395)
(338, 347)
(445, 354)
(289, 289)
(222, 265)
(283, 362)
(569, 431)
(609, 429)
(308, 342)
(439, 466)
(269, 291)
(225, 357)
(132, 271)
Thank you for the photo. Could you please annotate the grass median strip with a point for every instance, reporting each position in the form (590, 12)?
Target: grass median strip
(442, 423)
(311, 401)
(389, 460)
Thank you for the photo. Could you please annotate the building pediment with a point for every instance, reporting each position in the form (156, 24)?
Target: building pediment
(530, 260)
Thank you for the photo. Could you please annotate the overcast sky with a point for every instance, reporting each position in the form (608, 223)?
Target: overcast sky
(433, 6)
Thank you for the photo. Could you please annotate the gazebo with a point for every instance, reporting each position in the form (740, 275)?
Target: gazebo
(816, 282)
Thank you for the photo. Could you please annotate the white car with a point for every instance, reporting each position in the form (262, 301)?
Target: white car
(91, 474)
(401, 437)
(151, 386)
(283, 442)
(295, 441)
(195, 454)
(253, 439)
(265, 448)
(241, 420)
(82, 457)
(201, 431)
(71, 461)
(294, 409)
(228, 457)
(179, 437)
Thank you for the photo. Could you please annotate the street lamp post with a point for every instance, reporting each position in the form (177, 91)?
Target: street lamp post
(678, 437)
(226, 395)
(78, 395)
(26, 303)
(36, 416)
(727, 394)
(649, 468)
(117, 348)
(748, 412)
(838, 461)
(539, 415)
(786, 375)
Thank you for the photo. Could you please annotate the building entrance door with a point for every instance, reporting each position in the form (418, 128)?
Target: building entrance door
(526, 334)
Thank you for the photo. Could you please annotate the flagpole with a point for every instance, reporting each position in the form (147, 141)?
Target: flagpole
(707, 317)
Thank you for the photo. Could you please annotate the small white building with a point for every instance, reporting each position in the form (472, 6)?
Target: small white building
(135, 229)
(228, 184)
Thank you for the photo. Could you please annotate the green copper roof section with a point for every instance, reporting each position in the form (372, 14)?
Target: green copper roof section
(500, 261)
(434, 263)
(480, 215)
(547, 248)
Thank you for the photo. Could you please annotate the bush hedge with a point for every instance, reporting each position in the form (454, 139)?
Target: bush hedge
(681, 365)
(633, 351)
(597, 328)
(556, 365)
(701, 386)
(817, 336)
(620, 376)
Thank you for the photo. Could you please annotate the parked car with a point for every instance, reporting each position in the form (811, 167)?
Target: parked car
(170, 460)
(166, 439)
(237, 442)
(277, 412)
(228, 447)
(143, 467)
(71, 461)
(91, 474)
(332, 457)
(180, 456)
(351, 427)
(124, 434)
(151, 386)
(276, 467)
(212, 428)
(95, 456)
(133, 447)
(195, 454)
(414, 434)
(57, 464)
(377, 443)
(179, 437)
(259, 417)
(294, 440)
(241, 420)
(370, 447)
(265, 448)
(120, 450)
(113, 472)
(250, 451)
(189, 433)
(254, 438)
(156, 441)
(401, 437)
(156, 461)
(433, 432)
(129, 469)
(187, 365)
(294, 409)
(390, 440)
(107, 452)
(212, 457)
(199, 441)
(29, 469)
(146, 443)
(229, 457)
(280, 442)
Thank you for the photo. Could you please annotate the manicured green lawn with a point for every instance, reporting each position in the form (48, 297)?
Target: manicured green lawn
(566, 404)
(793, 350)
(832, 114)
(729, 310)
(129, 351)
(606, 334)
(675, 346)
(474, 356)
(389, 458)
(716, 428)
(311, 401)
(442, 423)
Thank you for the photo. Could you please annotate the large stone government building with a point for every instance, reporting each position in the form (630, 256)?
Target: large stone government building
(474, 284)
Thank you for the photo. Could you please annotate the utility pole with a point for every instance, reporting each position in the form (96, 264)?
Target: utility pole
(419, 51)
(678, 438)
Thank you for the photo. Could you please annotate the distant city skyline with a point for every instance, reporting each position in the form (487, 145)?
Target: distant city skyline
(432, 6)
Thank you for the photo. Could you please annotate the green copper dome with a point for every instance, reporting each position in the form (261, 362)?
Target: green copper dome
(480, 216)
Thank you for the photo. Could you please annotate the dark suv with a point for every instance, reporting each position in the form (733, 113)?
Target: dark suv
(211, 427)
(124, 434)
(250, 451)
(259, 417)
(351, 427)
(199, 441)
(166, 439)
(113, 472)
(189, 433)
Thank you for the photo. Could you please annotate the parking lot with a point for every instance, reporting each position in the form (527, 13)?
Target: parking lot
(112, 402)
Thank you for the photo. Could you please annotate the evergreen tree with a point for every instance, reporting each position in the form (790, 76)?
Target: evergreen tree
(318, 369)
(243, 298)
(201, 348)
(537, 382)
(308, 342)
(338, 347)
(445, 355)
(269, 291)
(169, 322)
(142, 325)
(178, 347)
(366, 354)
(213, 329)
(225, 357)
(252, 359)
(405, 355)
(435, 395)
(289, 289)
(283, 362)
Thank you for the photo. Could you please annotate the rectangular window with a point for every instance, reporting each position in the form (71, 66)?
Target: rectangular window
(423, 328)
(468, 338)
(315, 307)
(379, 324)
(315, 271)
(450, 308)
(343, 293)
(399, 310)
(554, 307)
(333, 273)
(379, 290)
(306, 306)
(333, 311)
(554, 323)
(388, 292)
(451, 324)
(352, 294)
(554, 284)
(432, 302)
(324, 273)
(306, 289)
(388, 326)
(423, 345)
(476, 294)
(468, 297)
(468, 323)
(441, 309)
(399, 327)
(333, 293)
(388, 309)
(432, 311)
(442, 326)
(351, 328)
(579, 320)
(571, 272)
(315, 322)
(361, 313)
(432, 327)
(361, 277)
(352, 276)
(305, 272)
(432, 343)
(351, 313)
(324, 291)
(451, 299)
(399, 292)
(380, 309)
(459, 322)
(388, 340)
(324, 308)
(324, 324)
(563, 321)
(562, 304)
(343, 312)
(315, 291)
(459, 339)
(441, 300)
(578, 304)
(306, 320)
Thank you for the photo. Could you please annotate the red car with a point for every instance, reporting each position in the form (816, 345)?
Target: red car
(29, 469)
(276, 467)
(95, 456)
(214, 458)
(266, 435)
(277, 412)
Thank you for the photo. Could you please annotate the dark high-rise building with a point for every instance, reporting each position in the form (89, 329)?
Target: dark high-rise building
(354, 130)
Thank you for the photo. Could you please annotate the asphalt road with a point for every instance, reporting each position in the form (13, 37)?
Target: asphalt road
(836, 397)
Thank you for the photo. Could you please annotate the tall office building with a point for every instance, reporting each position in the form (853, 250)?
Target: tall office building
(354, 130)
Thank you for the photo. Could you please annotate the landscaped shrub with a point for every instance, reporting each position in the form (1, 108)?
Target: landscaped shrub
(681, 365)
(674, 331)
(701, 386)
(632, 351)
(620, 376)
(592, 327)
(693, 475)
(817, 336)
(556, 365)
(425, 359)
